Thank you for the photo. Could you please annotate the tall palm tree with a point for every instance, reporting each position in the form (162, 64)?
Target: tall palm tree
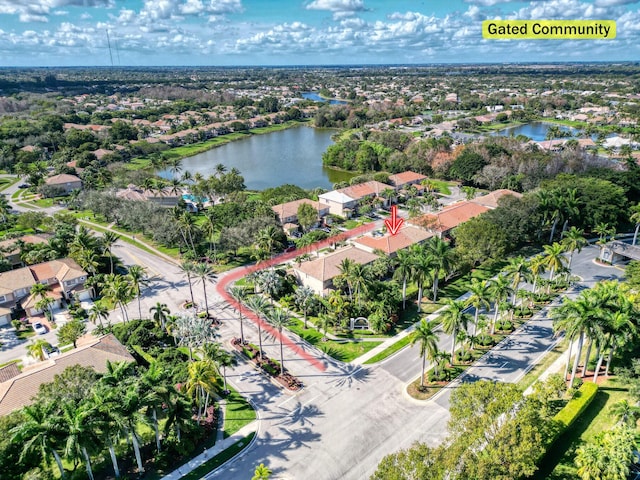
(178, 413)
(479, 298)
(345, 267)
(210, 229)
(402, 272)
(359, 276)
(268, 239)
(204, 274)
(160, 314)
(187, 269)
(554, 258)
(117, 290)
(155, 387)
(221, 359)
(79, 432)
(39, 432)
(454, 319)
(625, 413)
(279, 319)
(303, 298)
(239, 294)
(500, 289)
(573, 241)
(259, 305)
(98, 312)
(517, 270)
(537, 266)
(108, 240)
(423, 263)
(138, 278)
(441, 253)
(427, 339)
(201, 384)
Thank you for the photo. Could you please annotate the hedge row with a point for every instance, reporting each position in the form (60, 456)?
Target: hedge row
(580, 401)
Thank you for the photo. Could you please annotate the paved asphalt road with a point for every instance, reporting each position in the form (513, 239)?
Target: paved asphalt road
(347, 417)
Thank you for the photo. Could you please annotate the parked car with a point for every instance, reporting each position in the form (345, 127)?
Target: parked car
(39, 328)
(50, 351)
(24, 185)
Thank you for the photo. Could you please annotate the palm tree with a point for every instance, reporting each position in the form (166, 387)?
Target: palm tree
(500, 289)
(537, 267)
(201, 383)
(359, 278)
(138, 278)
(270, 282)
(625, 413)
(423, 263)
(635, 218)
(178, 412)
(441, 253)
(98, 312)
(204, 274)
(160, 314)
(259, 306)
(453, 320)
(279, 319)
(187, 269)
(154, 385)
(79, 432)
(109, 422)
(175, 166)
(239, 294)
(39, 431)
(517, 270)
(109, 239)
(303, 298)
(220, 358)
(268, 239)
(428, 339)
(209, 228)
(36, 348)
(479, 298)
(591, 461)
(602, 229)
(574, 241)
(554, 258)
(345, 268)
(404, 265)
(118, 291)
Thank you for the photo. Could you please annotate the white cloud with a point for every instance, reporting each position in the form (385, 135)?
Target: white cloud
(337, 5)
(613, 3)
(29, 17)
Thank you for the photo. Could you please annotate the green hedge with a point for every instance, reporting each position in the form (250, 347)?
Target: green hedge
(580, 401)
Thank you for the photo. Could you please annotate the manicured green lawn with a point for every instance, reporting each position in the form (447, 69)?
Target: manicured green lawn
(551, 356)
(344, 351)
(237, 414)
(390, 350)
(558, 463)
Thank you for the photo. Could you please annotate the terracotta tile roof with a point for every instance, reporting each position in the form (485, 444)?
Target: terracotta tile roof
(365, 189)
(8, 372)
(16, 279)
(13, 242)
(403, 178)
(327, 266)
(389, 244)
(491, 199)
(290, 209)
(450, 217)
(62, 179)
(19, 390)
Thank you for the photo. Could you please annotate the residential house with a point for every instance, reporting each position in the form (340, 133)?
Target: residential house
(166, 197)
(17, 389)
(490, 200)
(390, 244)
(318, 274)
(10, 249)
(65, 182)
(442, 222)
(64, 277)
(404, 179)
(288, 212)
(344, 201)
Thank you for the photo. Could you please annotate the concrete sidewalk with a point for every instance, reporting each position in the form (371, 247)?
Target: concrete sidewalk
(218, 448)
(387, 343)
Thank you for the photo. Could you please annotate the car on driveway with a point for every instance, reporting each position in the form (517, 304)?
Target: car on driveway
(39, 328)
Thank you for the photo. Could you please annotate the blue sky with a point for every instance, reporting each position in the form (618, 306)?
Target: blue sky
(297, 32)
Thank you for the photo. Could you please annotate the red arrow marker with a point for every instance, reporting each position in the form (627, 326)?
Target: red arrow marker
(395, 223)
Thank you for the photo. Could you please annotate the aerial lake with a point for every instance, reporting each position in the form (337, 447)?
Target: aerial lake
(536, 131)
(272, 159)
(317, 98)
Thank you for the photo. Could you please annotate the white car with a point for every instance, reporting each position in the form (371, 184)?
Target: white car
(39, 328)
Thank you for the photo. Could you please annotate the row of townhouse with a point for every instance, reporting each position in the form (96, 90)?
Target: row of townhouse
(64, 277)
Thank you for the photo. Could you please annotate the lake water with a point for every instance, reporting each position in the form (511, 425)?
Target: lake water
(536, 131)
(273, 159)
(317, 98)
